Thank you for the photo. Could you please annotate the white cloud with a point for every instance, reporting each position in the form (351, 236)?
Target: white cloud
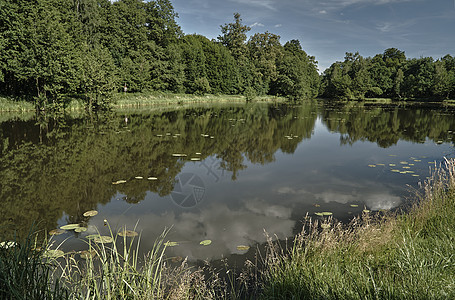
(323, 11)
(257, 24)
(258, 3)
(278, 25)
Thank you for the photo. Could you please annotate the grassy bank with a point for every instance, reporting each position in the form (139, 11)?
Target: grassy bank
(137, 100)
(410, 256)
(19, 106)
(402, 256)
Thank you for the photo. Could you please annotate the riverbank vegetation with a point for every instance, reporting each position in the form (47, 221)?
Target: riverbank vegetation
(390, 75)
(403, 256)
(55, 50)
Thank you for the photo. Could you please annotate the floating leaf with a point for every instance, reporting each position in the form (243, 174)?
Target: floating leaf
(70, 226)
(366, 211)
(171, 244)
(327, 213)
(56, 231)
(396, 171)
(372, 166)
(127, 233)
(7, 245)
(243, 248)
(354, 205)
(316, 205)
(417, 160)
(119, 182)
(205, 242)
(90, 213)
(403, 162)
(152, 178)
(415, 175)
(381, 164)
(53, 253)
(195, 159)
(176, 259)
(80, 229)
(406, 167)
(179, 155)
(392, 154)
(85, 254)
(392, 165)
(319, 214)
(103, 239)
(198, 153)
(139, 177)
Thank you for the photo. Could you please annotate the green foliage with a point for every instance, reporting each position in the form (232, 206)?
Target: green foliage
(389, 75)
(297, 73)
(25, 274)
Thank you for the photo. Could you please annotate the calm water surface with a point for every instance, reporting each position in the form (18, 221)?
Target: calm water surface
(246, 169)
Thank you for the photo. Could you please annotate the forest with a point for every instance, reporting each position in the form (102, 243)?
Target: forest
(54, 50)
(51, 50)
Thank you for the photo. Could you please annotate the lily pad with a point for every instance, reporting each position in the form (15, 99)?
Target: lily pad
(53, 253)
(90, 213)
(396, 171)
(179, 155)
(372, 166)
(56, 231)
(205, 242)
(366, 211)
(195, 159)
(103, 239)
(127, 233)
(70, 226)
(319, 214)
(152, 178)
(119, 182)
(171, 244)
(85, 254)
(243, 248)
(354, 205)
(392, 165)
(7, 245)
(80, 229)
(198, 153)
(327, 213)
(139, 177)
(176, 259)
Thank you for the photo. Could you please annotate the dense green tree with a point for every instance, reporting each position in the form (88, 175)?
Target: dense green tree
(264, 50)
(234, 36)
(297, 73)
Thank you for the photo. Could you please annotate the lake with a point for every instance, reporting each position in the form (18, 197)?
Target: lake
(224, 173)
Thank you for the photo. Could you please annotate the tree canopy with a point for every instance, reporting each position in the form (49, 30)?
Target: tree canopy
(52, 50)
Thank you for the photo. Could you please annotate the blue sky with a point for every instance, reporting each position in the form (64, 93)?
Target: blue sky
(327, 29)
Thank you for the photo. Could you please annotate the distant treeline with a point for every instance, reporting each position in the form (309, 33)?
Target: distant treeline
(390, 75)
(53, 49)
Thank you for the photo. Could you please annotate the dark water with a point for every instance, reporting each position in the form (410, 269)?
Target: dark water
(255, 167)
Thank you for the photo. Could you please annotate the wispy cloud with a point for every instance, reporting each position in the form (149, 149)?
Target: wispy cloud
(258, 3)
(256, 24)
(278, 25)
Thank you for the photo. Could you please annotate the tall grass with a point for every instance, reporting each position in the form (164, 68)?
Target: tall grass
(8, 105)
(25, 274)
(410, 256)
